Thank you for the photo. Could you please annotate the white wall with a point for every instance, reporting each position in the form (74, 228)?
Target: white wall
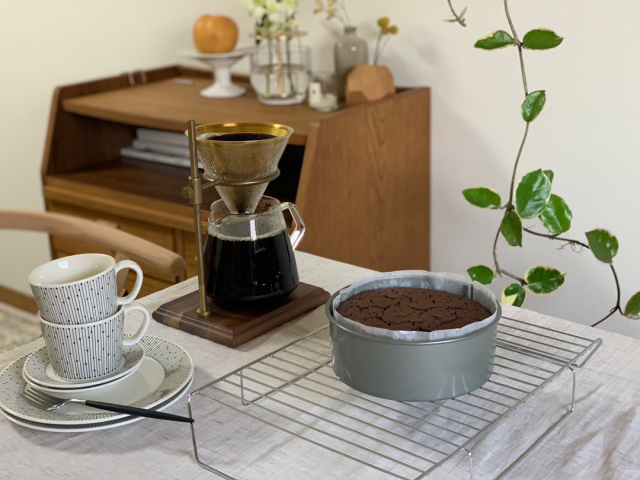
(588, 132)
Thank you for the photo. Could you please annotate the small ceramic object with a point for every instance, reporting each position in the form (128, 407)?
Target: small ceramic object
(323, 92)
(174, 360)
(81, 288)
(367, 83)
(92, 350)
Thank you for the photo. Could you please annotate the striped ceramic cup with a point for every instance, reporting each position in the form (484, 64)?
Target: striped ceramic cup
(81, 288)
(91, 350)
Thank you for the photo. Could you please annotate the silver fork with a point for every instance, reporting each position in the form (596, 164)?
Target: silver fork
(50, 403)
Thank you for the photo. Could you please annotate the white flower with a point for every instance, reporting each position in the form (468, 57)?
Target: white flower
(280, 15)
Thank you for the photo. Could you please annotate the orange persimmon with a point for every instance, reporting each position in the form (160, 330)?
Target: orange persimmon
(215, 34)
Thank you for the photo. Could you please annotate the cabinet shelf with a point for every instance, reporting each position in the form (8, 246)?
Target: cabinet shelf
(167, 105)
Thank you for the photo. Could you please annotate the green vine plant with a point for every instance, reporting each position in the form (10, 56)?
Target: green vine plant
(532, 198)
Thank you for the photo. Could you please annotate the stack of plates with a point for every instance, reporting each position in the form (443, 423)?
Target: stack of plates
(155, 373)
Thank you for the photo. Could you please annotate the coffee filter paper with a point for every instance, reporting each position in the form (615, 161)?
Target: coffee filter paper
(446, 282)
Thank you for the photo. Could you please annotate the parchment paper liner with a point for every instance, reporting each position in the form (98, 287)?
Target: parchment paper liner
(446, 282)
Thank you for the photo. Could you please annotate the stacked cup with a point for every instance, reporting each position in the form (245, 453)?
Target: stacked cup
(82, 316)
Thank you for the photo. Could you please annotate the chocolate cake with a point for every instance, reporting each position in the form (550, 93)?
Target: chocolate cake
(415, 309)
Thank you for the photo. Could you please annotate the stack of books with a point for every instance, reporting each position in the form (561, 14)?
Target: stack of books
(159, 146)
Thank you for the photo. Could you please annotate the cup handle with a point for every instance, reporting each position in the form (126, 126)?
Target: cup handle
(143, 327)
(298, 223)
(136, 288)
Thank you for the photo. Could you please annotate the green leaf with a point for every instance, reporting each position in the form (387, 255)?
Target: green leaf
(542, 279)
(495, 40)
(532, 105)
(603, 245)
(632, 310)
(511, 228)
(532, 194)
(549, 174)
(481, 274)
(541, 39)
(556, 216)
(483, 197)
(514, 295)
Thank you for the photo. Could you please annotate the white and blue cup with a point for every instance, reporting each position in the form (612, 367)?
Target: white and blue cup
(91, 350)
(81, 289)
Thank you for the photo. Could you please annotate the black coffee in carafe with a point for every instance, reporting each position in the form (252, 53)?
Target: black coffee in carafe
(251, 271)
(249, 258)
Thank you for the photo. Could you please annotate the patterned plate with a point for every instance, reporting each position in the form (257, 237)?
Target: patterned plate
(176, 362)
(38, 370)
(92, 427)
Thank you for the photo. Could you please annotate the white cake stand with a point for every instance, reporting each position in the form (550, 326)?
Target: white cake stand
(221, 64)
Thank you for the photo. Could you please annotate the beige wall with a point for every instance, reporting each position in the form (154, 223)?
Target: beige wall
(588, 132)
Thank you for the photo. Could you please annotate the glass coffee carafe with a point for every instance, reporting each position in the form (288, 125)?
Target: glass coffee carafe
(248, 257)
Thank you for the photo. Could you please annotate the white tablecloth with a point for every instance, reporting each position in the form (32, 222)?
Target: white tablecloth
(601, 439)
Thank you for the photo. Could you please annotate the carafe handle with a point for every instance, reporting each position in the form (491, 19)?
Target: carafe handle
(298, 223)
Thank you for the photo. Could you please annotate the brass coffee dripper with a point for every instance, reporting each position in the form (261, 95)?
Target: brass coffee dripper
(239, 169)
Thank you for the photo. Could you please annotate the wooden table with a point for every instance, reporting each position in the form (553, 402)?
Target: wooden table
(600, 440)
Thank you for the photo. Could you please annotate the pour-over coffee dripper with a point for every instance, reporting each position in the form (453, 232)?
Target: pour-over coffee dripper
(239, 159)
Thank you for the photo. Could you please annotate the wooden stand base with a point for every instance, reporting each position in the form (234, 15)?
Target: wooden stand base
(235, 327)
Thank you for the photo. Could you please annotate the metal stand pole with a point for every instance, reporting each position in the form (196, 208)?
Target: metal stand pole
(194, 193)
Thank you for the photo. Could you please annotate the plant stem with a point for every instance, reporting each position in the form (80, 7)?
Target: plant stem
(345, 13)
(499, 270)
(383, 44)
(556, 237)
(519, 45)
(456, 16)
(292, 87)
(269, 70)
(375, 56)
(515, 167)
(509, 205)
(617, 307)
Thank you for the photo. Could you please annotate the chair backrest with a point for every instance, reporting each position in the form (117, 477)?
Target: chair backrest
(95, 232)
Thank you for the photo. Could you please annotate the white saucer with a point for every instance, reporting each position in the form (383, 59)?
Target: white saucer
(37, 369)
(92, 427)
(125, 391)
(174, 360)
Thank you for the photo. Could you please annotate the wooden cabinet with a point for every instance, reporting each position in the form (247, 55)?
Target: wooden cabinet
(359, 175)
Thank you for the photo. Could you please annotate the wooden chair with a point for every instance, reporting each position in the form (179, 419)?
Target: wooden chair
(106, 235)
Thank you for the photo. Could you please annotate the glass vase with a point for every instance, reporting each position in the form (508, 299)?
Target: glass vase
(280, 69)
(350, 51)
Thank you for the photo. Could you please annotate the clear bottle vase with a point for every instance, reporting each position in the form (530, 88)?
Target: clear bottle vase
(348, 52)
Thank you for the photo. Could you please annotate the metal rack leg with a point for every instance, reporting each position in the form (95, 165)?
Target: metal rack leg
(241, 375)
(549, 431)
(470, 463)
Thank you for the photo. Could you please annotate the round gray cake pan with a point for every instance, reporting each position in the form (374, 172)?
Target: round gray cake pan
(412, 371)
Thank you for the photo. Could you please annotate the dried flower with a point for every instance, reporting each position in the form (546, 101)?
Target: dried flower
(385, 29)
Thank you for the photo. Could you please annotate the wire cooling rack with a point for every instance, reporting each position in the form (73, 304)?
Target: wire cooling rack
(255, 412)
